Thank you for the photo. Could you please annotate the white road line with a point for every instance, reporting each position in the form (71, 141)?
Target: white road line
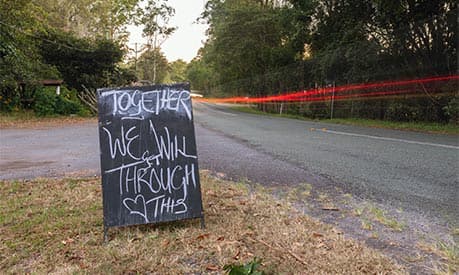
(391, 139)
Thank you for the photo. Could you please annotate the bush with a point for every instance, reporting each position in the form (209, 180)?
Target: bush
(65, 106)
(45, 102)
(452, 110)
(9, 97)
(48, 103)
(399, 111)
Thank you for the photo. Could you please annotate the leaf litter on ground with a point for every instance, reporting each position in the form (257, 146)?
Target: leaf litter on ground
(56, 226)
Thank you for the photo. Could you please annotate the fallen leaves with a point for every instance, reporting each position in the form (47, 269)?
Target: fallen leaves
(202, 236)
(212, 268)
(68, 241)
(317, 235)
(241, 225)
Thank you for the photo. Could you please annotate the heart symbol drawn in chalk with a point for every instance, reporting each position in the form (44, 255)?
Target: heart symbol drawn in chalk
(137, 206)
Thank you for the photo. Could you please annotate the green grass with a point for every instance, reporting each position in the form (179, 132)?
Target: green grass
(428, 127)
(451, 253)
(382, 217)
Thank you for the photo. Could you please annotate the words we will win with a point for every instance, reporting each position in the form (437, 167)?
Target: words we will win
(165, 170)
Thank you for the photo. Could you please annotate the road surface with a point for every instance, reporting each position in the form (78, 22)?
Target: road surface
(408, 170)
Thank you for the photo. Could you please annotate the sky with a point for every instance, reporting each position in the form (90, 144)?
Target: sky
(185, 42)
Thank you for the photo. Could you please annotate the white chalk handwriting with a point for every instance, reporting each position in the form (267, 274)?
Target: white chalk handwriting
(156, 180)
(135, 102)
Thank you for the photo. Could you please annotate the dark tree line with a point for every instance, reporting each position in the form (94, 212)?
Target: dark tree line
(257, 48)
(70, 40)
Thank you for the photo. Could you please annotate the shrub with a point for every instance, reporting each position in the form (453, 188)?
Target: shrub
(45, 102)
(399, 111)
(9, 96)
(452, 110)
(48, 103)
(65, 106)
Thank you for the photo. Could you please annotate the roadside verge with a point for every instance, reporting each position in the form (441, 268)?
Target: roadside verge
(55, 225)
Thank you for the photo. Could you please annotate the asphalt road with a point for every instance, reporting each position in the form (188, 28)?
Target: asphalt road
(407, 170)
(49, 151)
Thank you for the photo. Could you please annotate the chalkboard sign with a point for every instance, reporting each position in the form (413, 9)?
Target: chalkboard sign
(149, 164)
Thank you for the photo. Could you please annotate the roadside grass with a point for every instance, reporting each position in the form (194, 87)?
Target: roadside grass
(55, 226)
(448, 251)
(371, 212)
(381, 216)
(367, 225)
(437, 128)
(426, 127)
(28, 119)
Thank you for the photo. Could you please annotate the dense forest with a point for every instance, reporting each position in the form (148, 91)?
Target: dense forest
(265, 47)
(254, 48)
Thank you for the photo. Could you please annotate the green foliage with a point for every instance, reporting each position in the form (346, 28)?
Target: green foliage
(66, 107)
(452, 110)
(76, 40)
(155, 19)
(153, 66)
(178, 71)
(257, 48)
(200, 76)
(246, 39)
(124, 76)
(9, 98)
(45, 102)
(81, 61)
(48, 103)
(19, 60)
(250, 268)
(89, 18)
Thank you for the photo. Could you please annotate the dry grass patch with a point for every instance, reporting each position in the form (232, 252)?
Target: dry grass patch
(55, 225)
(449, 252)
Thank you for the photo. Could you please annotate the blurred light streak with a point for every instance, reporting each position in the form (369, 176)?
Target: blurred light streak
(362, 90)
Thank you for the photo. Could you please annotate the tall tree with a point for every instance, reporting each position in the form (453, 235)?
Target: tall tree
(247, 40)
(155, 20)
(153, 66)
(341, 44)
(82, 61)
(200, 75)
(89, 18)
(20, 61)
(421, 33)
(178, 71)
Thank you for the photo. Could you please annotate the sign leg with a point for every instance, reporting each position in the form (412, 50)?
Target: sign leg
(203, 223)
(105, 234)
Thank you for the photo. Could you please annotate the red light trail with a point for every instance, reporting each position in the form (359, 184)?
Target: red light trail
(363, 90)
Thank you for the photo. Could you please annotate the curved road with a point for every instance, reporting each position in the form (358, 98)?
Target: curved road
(407, 170)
